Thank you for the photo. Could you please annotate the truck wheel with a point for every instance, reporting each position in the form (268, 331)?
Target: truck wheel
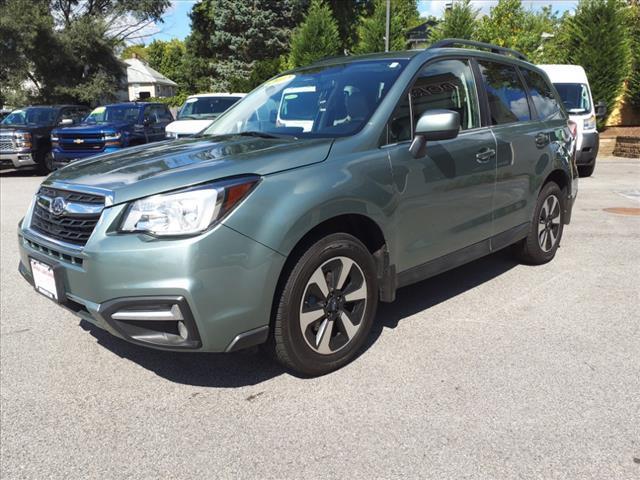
(544, 237)
(326, 307)
(45, 163)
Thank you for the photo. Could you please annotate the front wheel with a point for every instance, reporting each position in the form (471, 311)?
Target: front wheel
(544, 237)
(45, 163)
(327, 306)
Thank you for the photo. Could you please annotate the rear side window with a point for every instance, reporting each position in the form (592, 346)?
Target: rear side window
(507, 97)
(447, 84)
(541, 93)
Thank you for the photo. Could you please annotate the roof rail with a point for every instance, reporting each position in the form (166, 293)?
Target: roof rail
(450, 42)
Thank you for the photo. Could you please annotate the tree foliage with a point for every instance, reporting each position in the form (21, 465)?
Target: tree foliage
(633, 83)
(317, 36)
(459, 22)
(75, 39)
(372, 29)
(347, 13)
(598, 41)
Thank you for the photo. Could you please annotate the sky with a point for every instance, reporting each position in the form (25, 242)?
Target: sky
(177, 24)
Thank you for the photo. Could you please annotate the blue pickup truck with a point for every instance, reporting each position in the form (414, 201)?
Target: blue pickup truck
(108, 129)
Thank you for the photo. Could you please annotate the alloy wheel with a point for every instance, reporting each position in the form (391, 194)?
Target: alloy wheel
(549, 223)
(333, 305)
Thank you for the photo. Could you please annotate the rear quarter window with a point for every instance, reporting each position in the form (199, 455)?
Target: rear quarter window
(544, 98)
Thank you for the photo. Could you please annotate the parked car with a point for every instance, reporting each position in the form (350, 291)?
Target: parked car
(24, 134)
(199, 111)
(573, 87)
(109, 129)
(257, 233)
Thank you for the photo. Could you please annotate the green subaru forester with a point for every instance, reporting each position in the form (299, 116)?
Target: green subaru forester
(319, 194)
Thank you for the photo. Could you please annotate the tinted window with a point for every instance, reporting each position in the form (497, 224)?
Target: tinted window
(162, 113)
(205, 107)
(575, 97)
(507, 98)
(448, 84)
(32, 115)
(541, 93)
(113, 113)
(322, 101)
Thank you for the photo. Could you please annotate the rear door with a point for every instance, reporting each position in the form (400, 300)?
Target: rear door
(523, 146)
(445, 198)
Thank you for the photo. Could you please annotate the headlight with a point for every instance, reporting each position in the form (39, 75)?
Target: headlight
(112, 136)
(187, 212)
(23, 140)
(171, 134)
(54, 138)
(589, 123)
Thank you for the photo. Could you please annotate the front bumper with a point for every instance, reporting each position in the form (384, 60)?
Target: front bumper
(224, 281)
(62, 158)
(587, 151)
(17, 160)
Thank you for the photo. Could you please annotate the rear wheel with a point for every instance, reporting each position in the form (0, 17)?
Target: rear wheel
(544, 237)
(327, 306)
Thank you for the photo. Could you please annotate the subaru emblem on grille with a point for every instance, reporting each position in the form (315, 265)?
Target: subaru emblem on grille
(58, 206)
(78, 140)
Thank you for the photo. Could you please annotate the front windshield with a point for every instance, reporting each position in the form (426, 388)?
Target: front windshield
(205, 107)
(575, 97)
(328, 101)
(31, 116)
(113, 113)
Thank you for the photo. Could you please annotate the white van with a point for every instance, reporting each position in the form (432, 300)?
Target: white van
(573, 87)
(199, 111)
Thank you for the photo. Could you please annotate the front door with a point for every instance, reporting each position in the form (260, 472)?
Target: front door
(444, 198)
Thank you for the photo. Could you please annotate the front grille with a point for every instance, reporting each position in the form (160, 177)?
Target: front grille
(75, 229)
(83, 136)
(6, 144)
(70, 196)
(87, 147)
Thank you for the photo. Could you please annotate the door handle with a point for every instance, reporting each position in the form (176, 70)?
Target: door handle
(485, 154)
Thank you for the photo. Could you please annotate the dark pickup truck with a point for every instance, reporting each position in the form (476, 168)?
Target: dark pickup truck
(25, 134)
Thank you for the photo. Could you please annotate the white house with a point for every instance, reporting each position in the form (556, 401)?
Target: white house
(144, 82)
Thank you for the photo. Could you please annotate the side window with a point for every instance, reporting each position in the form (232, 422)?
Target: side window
(541, 93)
(150, 114)
(162, 113)
(507, 98)
(447, 84)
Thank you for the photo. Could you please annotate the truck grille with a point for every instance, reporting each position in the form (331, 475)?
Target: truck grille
(6, 143)
(81, 142)
(71, 228)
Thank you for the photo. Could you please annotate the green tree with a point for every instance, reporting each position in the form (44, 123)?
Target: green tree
(233, 36)
(459, 22)
(633, 83)
(510, 25)
(598, 40)
(372, 29)
(347, 13)
(317, 36)
(76, 39)
(134, 51)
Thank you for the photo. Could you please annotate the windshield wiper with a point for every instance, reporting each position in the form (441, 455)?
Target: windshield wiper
(253, 133)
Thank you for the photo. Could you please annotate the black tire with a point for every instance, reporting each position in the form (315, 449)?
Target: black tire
(45, 163)
(291, 343)
(586, 170)
(538, 248)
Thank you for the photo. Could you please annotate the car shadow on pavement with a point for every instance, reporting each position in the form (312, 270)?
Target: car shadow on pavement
(251, 366)
(20, 173)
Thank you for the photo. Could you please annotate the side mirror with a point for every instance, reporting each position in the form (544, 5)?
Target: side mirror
(434, 125)
(66, 122)
(146, 122)
(601, 109)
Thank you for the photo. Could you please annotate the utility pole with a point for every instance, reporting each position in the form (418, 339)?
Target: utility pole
(387, 28)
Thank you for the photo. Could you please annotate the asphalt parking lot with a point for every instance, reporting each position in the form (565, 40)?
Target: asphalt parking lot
(493, 370)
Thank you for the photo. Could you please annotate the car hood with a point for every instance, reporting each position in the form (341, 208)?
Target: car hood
(92, 128)
(163, 166)
(183, 127)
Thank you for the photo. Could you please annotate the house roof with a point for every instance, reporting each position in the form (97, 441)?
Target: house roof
(140, 72)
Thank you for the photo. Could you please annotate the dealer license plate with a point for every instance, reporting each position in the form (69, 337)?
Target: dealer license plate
(44, 279)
